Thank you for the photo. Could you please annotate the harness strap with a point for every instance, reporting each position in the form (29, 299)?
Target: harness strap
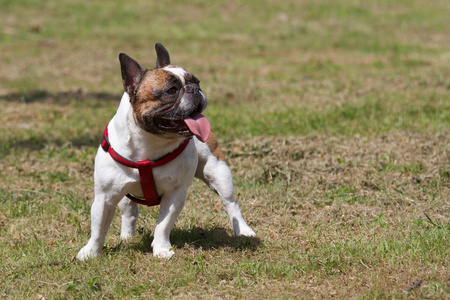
(145, 168)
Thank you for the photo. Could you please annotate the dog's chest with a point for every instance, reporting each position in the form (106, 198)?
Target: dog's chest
(176, 174)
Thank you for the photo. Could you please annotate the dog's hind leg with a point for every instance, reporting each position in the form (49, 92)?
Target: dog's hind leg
(130, 213)
(214, 171)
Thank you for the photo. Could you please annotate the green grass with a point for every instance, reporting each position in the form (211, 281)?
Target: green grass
(334, 117)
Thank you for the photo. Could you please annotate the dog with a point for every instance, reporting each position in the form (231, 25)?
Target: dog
(152, 148)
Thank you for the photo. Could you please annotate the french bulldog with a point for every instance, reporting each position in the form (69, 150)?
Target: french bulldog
(159, 115)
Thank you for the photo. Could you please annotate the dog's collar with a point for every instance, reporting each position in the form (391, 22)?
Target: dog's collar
(145, 168)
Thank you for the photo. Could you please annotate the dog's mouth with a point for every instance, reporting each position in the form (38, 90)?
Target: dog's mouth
(195, 124)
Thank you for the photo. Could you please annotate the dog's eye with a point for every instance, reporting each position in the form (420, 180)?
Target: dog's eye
(172, 91)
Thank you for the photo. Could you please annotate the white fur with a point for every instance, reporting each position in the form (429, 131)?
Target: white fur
(113, 181)
(177, 71)
(217, 176)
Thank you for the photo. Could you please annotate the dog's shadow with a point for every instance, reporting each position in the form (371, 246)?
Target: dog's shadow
(200, 238)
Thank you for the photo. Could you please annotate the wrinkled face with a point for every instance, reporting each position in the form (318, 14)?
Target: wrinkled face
(164, 97)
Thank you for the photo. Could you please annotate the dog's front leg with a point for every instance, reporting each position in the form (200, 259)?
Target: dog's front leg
(170, 208)
(102, 213)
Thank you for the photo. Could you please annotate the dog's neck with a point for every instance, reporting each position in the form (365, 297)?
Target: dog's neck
(133, 142)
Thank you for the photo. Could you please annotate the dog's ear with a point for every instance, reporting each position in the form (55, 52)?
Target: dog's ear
(132, 72)
(162, 56)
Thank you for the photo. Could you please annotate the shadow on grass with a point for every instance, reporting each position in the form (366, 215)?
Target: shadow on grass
(208, 240)
(59, 97)
(32, 143)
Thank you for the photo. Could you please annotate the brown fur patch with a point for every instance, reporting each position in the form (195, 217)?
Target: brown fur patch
(150, 91)
(153, 81)
(213, 146)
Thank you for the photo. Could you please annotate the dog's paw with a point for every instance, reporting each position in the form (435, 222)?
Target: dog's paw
(86, 253)
(163, 254)
(242, 229)
(248, 232)
(126, 235)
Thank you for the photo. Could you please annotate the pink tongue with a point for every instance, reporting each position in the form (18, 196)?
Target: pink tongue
(199, 126)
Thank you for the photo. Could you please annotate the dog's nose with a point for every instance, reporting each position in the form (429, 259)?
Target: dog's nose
(192, 89)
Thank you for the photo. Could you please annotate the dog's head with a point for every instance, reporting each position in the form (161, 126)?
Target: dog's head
(165, 100)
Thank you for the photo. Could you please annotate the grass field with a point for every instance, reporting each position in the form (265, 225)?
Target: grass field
(334, 117)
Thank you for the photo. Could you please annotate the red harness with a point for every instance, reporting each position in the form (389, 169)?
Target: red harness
(145, 168)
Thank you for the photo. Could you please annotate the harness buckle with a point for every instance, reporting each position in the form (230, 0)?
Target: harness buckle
(105, 144)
